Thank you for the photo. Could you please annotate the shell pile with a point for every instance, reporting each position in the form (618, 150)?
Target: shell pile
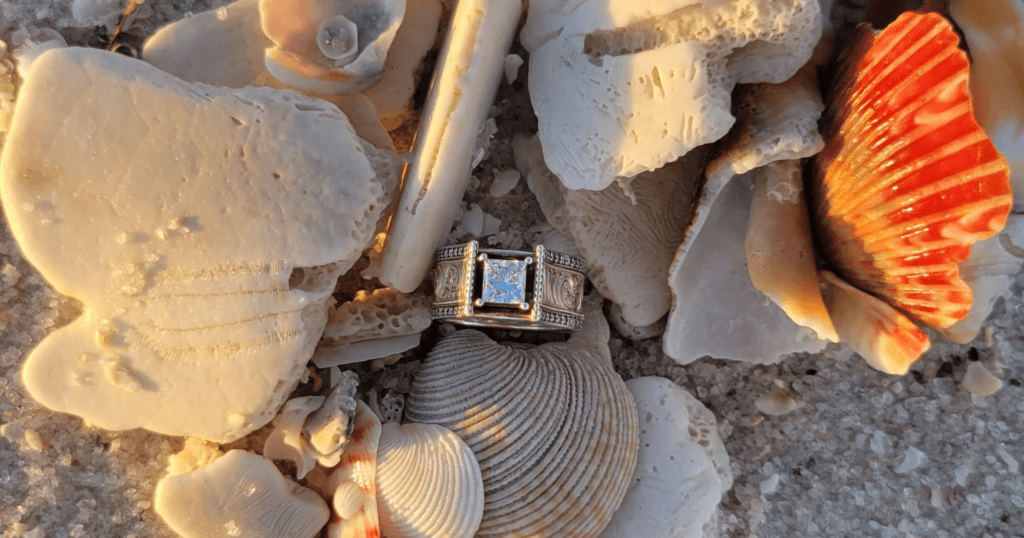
(553, 428)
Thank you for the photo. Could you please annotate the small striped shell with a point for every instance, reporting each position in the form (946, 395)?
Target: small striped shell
(908, 181)
(353, 482)
(428, 483)
(553, 427)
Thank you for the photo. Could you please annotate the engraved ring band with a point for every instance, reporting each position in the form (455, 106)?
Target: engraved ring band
(508, 289)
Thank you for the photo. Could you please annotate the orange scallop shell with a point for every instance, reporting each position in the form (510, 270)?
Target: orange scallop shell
(908, 180)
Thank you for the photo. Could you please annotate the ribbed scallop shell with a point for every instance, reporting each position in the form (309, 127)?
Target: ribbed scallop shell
(554, 430)
(908, 180)
(428, 483)
(358, 466)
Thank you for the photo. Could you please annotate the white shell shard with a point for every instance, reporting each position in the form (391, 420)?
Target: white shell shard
(561, 476)
(628, 243)
(989, 271)
(329, 427)
(249, 241)
(631, 331)
(428, 483)
(682, 468)
(716, 309)
(651, 79)
(466, 80)
(239, 494)
(979, 381)
(329, 46)
(205, 48)
(992, 31)
(512, 64)
(286, 441)
(358, 467)
(780, 248)
(371, 326)
(736, 321)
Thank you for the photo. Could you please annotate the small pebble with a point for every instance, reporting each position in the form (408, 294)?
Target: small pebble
(769, 485)
(776, 402)
(512, 64)
(34, 441)
(912, 459)
(979, 381)
(1011, 462)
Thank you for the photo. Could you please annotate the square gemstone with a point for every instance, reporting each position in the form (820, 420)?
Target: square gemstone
(504, 282)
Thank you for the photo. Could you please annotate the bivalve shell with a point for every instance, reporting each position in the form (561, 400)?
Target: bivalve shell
(428, 483)
(353, 483)
(553, 427)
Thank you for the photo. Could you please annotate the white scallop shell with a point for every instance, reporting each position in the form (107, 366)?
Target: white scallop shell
(554, 430)
(428, 483)
(353, 483)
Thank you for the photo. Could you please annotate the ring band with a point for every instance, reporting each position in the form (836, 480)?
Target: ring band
(508, 289)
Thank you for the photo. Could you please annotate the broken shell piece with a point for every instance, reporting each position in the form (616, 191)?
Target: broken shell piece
(353, 482)
(250, 243)
(332, 46)
(979, 381)
(371, 326)
(239, 494)
(630, 331)
(622, 88)
(467, 78)
(682, 468)
(897, 208)
(30, 45)
(504, 182)
(776, 402)
(428, 483)
(554, 239)
(989, 271)
(196, 453)
(885, 338)
(992, 31)
(512, 64)
(286, 441)
(780, 249)
(562, 476)
(628, 242)
(330, 426)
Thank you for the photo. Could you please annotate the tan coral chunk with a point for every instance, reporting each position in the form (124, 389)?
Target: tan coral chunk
(239, 494)
(372, 325)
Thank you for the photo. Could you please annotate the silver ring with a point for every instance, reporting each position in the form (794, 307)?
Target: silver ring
(508, 289)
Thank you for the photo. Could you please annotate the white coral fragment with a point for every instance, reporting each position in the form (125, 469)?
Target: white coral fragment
(239, 494)
(268, 233)
(372, 325)
(682, 469)
(625, 87)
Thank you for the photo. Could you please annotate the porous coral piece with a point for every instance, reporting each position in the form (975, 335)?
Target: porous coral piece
(682, 469)
(372, 325)
(239, 494)
(625, 87)
(627, 239)
(101, 201)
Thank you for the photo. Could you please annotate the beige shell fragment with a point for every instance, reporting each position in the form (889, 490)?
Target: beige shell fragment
(371, 326)
(979, 381)
(239, 494)
(682, 469)
(622, 88)
(352, 484)
(628, 240)
(716, 310)
(329, 46)
(286, 442)
(246, 235)
(428, 483)
(553, 427)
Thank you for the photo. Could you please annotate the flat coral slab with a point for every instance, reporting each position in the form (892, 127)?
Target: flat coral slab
(907, 181)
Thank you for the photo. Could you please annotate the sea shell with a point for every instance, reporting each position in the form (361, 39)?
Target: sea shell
(353, 483)
(330, 46)
(907, 180)
(238, 494)
(553, 427)
(248, 242)
(626, 87)
(428, 483)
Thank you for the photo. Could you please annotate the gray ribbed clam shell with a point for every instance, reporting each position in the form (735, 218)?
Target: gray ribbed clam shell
(553, 427)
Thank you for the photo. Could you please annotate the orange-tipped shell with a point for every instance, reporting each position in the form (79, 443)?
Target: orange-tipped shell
(907, 180)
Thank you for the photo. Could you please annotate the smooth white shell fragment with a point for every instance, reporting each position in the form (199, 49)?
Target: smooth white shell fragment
(682, 469)
(239, 494)
(428, 483)
(626, 87)
(979, 381)
(776, 402)
(247, 240)
(467, 78)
